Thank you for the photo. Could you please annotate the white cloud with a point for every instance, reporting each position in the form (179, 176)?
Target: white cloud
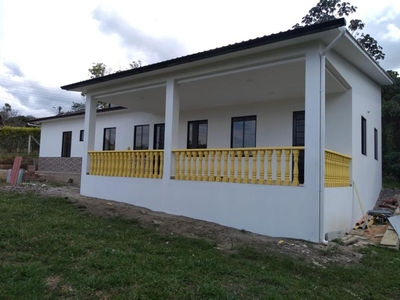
(393, 33)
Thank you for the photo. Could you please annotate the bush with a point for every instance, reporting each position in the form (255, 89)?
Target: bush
(15, 139)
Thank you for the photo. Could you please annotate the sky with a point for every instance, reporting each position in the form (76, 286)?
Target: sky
(48, 44)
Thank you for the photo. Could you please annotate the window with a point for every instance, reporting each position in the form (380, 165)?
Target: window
(81, 135)
(159, 132)
(109, 138)
(197, 134)
(376, 143)
(243, 132)
(66, 144)
(363, 135)
(141, 141)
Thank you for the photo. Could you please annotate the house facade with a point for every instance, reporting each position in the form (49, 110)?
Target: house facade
(271, 135)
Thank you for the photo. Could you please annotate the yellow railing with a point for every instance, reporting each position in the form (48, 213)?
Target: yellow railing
(337, 169)
(136, 163)
(266, 165)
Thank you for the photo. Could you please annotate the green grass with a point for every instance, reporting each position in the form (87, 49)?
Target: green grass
(49, 249)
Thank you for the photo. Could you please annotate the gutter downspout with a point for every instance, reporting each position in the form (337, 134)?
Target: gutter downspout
(322, 135)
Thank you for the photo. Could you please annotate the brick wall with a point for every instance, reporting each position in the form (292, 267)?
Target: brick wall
(60, 164)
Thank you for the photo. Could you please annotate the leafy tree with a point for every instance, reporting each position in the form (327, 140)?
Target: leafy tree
(390, 127)
(98, 70)
(77, 107)
(11, 117)
(135, 64)
(327, 10)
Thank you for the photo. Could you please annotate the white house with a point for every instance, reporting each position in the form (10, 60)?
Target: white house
(266, 135)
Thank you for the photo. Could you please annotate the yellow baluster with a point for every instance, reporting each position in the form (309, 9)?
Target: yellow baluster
(287, 169)
(225, 175)
(120, 164)
(212, 175)
(246, 167)
(296, 167)
(232, 168)
(107, 170)
(177, 164)
(160, 175)
(100, 163)
(200, 168)
(278, 167)
(239, 170)
(262, 159)
(156, 163)
(183, 165)
(189, 164)
(254, 167)
(206, 178)
(194, 164)
(269, 169)
(151, 169)
(218, 179)
(147, 164)
(142, 162)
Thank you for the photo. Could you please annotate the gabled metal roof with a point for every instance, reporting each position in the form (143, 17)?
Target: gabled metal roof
(257, 42)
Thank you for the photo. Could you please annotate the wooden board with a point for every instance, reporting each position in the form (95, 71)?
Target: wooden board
(15, 169)
(390, 239)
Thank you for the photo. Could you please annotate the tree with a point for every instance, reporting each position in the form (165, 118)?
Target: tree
(98, 70)
(135, 64)
(390, 126)
(77, 107)
(327, 10)
(11, 117)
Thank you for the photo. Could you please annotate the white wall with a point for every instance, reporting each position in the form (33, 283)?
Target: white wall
(366, 101)
(269, 210)
(338, 123)
(51, 136)
(274, 126)
(338, 209)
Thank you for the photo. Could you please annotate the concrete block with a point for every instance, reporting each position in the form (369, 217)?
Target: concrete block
(329, 236)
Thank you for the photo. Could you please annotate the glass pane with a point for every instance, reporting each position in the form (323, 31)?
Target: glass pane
(250, 134)
(138, 138)
(190, 136)
(112, 138)
(202, 142)
(145, 138)
(237, 134)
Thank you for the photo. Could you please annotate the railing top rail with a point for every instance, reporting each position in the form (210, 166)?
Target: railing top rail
(337, 153)
(240, 149)
(125, 151)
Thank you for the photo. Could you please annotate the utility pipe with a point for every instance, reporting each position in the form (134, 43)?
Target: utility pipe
(33, 125)
(322, 134)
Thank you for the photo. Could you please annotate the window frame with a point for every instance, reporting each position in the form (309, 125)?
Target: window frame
(104, 138)
(196, 123)
(141, 138)
(244, 119)
(159, 125)
(363, 136)
(66, 146)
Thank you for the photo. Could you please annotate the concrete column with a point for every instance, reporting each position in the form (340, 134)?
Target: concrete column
(171, 127)
(312, 119)
(89, 132)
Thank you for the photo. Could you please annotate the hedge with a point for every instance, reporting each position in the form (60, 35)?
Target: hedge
(15, 139)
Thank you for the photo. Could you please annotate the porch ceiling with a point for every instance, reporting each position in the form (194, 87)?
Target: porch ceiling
(278, 82)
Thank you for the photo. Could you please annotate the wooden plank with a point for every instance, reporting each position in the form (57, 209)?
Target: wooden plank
(390, 239)
(15, 169)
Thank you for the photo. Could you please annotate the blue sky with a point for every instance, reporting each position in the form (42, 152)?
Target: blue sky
(46, 44)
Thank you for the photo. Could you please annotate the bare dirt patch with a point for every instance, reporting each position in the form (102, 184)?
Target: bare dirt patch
(225, 238)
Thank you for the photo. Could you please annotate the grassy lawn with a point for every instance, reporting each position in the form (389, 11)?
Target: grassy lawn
(49, 249)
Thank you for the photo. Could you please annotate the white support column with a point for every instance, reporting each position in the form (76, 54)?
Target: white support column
(89, 132)
(171, 127)
(312, 120)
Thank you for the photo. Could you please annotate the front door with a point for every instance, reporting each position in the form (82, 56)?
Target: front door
(298, 139)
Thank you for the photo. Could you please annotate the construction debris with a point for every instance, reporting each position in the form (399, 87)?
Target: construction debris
(380, 226)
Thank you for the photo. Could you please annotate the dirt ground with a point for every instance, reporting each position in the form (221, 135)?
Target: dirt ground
(226, 239)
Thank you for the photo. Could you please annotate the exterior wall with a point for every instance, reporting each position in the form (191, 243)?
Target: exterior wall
(51, 136)
(269, 210)
(366, 101)
(338, 123)
(338, 209)
(274, 126)
(60, 164)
